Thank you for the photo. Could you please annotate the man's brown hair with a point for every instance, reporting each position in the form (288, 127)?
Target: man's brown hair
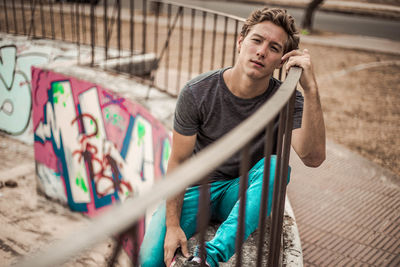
(279, 17)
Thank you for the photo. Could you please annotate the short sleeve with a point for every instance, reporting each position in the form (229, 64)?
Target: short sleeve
(186, 118)
(298, 110)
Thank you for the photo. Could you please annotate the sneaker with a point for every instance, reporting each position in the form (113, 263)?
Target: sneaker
(194, 261)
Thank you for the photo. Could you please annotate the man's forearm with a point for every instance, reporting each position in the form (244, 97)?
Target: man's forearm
(311, 137)
(173, 210)
(174, 204)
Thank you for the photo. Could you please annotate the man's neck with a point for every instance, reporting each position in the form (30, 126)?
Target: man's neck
(243, 86)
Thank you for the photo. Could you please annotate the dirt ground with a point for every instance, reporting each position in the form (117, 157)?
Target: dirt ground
(360, 92)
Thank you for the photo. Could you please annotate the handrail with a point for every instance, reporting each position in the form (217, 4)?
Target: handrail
(133, 209)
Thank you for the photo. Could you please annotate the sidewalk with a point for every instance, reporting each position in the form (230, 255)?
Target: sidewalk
(344, 6)
(365, 43)
(347, 211)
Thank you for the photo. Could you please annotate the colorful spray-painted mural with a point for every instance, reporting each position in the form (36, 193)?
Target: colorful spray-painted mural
(16, 60)
(92, 147)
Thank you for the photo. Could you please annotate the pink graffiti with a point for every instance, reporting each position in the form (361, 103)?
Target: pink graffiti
(104, 163)
(114, 101)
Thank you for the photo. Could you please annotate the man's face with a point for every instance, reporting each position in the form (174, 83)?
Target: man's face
(260, 52)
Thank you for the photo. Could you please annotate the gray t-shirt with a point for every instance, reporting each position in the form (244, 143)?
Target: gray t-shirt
(207, 107)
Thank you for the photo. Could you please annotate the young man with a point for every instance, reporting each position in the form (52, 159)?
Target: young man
(211, 105)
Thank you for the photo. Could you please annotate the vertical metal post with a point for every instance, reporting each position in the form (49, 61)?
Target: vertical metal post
(244, 168)
(42, 19)
(157, 15)
(6, 14)
(133, 233)
(92, 31)
(144, 35)
(168, 46)
(53, 33)
(32, 26)
(119, 31)
(121, 236)
(224, 42)
(214, 35)
(234, 42)
(203, 217)
(132, 26)
(203, 33)
(62, 21)
(71, 12)
(265, 191)
(180, 51)
(110, 27)
(275, 241)
(191, 44)
(116, 251)
(155, 63)
(83, 19)
(105, 6)
(131, 35)
(15, 17)
(144, 25)
(284, 170)
(23, 16)
(78, 35)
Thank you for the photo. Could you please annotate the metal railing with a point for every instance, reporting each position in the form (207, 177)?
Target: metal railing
(162, 34)
(281, 104)
(179, 40)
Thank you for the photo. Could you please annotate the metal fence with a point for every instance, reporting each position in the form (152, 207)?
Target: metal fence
(162, 43)
(185, 41)
(281, 104)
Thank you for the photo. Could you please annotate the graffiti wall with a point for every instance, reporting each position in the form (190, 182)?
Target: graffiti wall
(16, 60)
(92, 147)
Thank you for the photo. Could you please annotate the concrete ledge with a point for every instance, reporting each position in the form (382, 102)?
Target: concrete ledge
(139, 65)
(160, 105)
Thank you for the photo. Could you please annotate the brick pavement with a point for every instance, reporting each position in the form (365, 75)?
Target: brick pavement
(347, 211)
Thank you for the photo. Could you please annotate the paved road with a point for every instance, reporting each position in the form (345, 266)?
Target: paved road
(324, 21)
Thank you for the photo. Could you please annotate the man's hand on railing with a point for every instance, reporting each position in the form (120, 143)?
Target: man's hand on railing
(302, 59)
(174, 238)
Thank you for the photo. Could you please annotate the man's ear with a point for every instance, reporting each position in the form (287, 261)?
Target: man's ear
(239, 43)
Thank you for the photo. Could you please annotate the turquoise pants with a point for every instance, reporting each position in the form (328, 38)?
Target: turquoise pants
(224, 208)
